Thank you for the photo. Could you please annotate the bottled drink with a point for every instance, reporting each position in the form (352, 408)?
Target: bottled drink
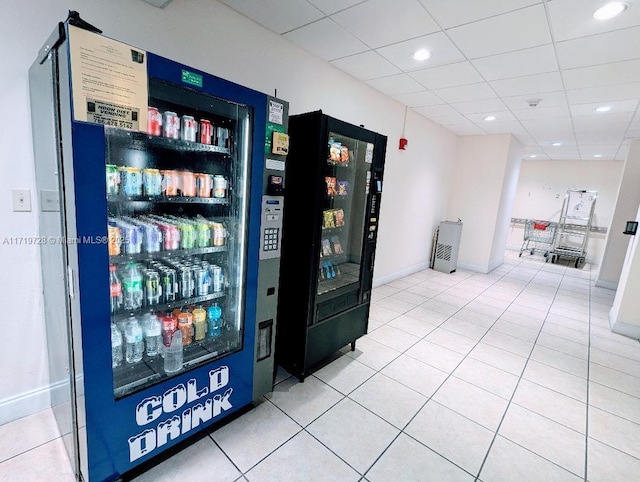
(199, 324)
(115, 289)
(214, 321)
(173, 357)
(132, 284)
(185, 324)
(152, 334)
(169, 327)
(134, 346)
(116, 346)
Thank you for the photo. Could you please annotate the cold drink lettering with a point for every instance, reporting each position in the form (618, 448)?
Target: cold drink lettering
(142, 444)
(152, 408)
(148, 410)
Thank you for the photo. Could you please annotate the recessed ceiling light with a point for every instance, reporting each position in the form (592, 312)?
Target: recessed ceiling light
(610, 10)
(490, 118)
(604, 108)
(556, 144)
(597, 155)
(532, 156)
(421, 54)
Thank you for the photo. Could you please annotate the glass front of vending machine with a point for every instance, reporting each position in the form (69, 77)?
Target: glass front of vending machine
(170, 291)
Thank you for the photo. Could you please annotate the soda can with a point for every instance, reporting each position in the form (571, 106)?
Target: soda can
(222, 134)
(152, 238)
(187, 236)
(203, 235)
(185, 281)
(154, 122)
(219, 186)
(131, 179)
(217, 276)
(153, 287)
(113, 179)
(114, 239)
(204, 184)
(132, 238)
(170, 182)
(206, 131)
(188, 128)
(202, 281)
(219, 234)
(152, 182)
(169, 285)
(188, 184)
(171, 125)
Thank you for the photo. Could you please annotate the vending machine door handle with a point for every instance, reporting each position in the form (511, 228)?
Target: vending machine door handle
(70, 282)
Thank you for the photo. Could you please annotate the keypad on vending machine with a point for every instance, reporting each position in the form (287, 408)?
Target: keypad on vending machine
(271, 239)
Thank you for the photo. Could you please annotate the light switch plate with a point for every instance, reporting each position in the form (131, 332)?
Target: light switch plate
(21, 200)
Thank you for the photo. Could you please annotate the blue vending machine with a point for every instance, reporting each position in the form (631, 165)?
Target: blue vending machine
(159, 193)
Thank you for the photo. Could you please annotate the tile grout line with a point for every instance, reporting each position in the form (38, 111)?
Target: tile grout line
(516, 387)
(586, 428)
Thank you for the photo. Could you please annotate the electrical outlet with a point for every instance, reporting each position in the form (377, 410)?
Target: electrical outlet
(21, 200)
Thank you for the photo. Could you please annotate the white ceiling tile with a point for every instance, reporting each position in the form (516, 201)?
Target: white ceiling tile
(277, 15)
(574, 18)
(447, 120)
(633, 133)
(511, 31)
(604, 74)
(536, 60)
(419, 99)
(532, 113)
(534, 151)
(460, 73)
(383, 22)
(442, 52)
(437, 110)
(466, 93)
(623, 152)
(600, 49)
(506, 127)
(326, 39)
(450, 13)
(396, 84)
(546, 131)
(367, 65)
(530, 84)
(502, 117)
(547, 99)
(465, 129)
(601, 129)
(604, 93)
(607, 151)
(562, 154)
(616, 107)
(479, 106)
(332, 6)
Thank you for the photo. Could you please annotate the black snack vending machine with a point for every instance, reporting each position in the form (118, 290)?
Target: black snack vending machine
(334, 187)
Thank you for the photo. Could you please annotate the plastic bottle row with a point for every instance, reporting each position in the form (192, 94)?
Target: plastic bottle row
(164, 334)
(132, 181)
(153, 233)
(134, 285)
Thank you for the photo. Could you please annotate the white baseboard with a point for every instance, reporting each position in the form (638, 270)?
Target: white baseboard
(476, 268)
(383, 280)
(611, 285)
(632, 331)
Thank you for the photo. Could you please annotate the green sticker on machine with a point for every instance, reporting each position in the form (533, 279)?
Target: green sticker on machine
(191, 78)
(271, 128)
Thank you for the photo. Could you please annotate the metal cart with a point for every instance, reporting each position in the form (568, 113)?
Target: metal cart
(574, 226)
(539, 237)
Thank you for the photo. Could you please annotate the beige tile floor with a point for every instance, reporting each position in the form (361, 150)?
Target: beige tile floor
(511, 376)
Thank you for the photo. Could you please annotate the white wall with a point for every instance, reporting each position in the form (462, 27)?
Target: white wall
(626, 204)
(624, 316)
(482, 173)
(542, 187)
(416, 180)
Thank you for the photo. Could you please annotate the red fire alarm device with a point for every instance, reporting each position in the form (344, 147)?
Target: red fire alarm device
(403, 144)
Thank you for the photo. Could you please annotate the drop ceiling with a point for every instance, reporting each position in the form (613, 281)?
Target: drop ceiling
(488, 58)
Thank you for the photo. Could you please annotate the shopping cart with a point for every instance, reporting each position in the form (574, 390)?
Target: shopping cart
(574, 226)
(538, 237)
